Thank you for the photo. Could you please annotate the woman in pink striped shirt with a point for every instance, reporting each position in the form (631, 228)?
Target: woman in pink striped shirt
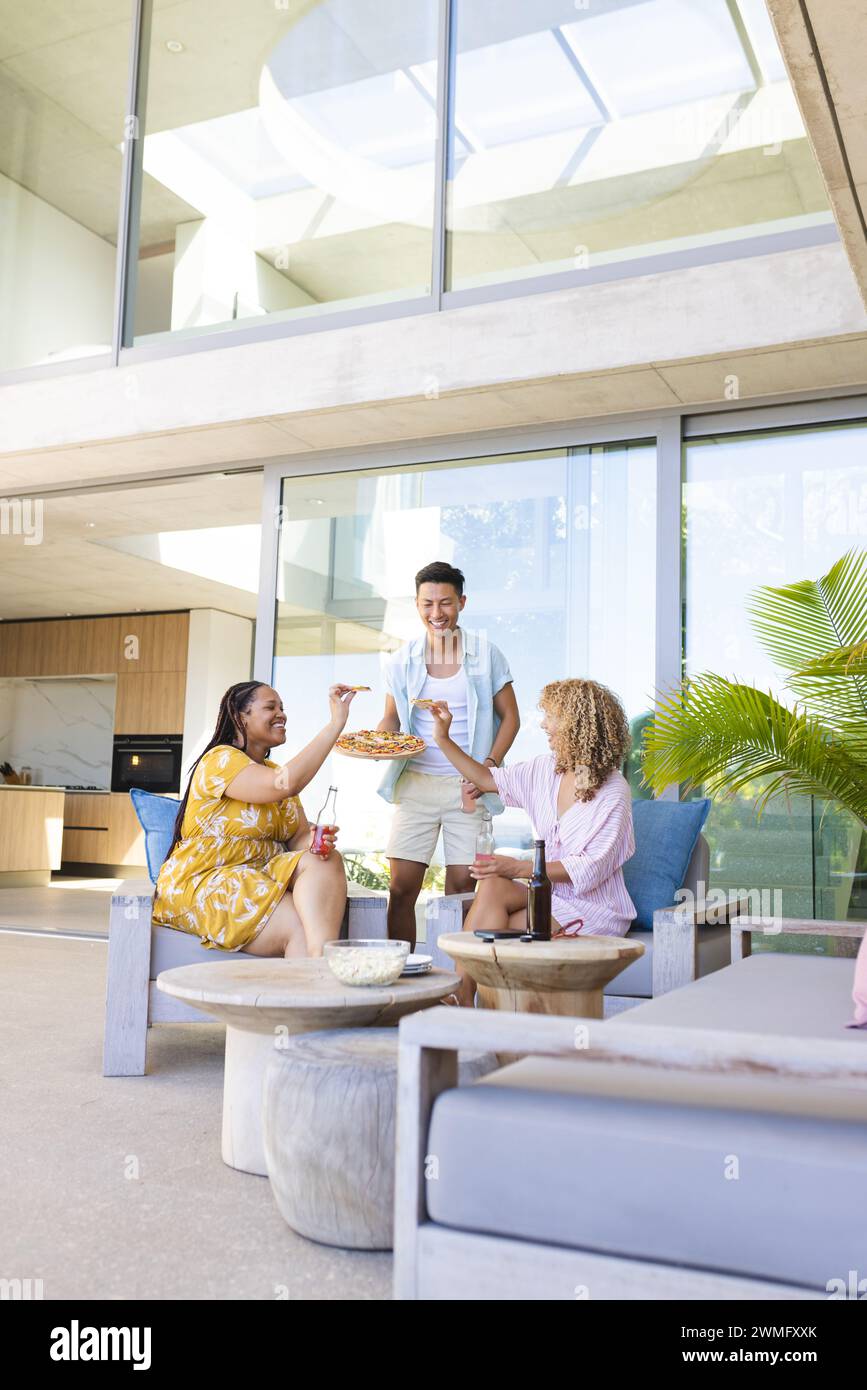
(578, 802)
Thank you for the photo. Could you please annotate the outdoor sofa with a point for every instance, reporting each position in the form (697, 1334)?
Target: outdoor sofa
(710, 1143)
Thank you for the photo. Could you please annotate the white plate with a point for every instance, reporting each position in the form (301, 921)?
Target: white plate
(415, 960)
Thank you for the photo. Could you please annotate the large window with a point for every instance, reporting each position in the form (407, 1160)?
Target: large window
(288, 159)
(558, 549)
(63, 81)
(588, 133)
(760, 509)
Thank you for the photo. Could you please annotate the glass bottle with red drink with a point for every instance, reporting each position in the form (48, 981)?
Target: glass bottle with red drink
(326, 824)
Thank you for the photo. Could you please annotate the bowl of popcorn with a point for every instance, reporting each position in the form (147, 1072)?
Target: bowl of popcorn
(367, 962)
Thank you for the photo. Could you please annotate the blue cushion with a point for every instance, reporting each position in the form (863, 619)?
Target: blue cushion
(157, 815)
(665, 837)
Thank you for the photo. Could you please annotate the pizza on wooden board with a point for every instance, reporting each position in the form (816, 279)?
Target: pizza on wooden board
(374, 743)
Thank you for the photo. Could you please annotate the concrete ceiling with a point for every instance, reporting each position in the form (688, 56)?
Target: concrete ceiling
(824, 45)
(75, 569)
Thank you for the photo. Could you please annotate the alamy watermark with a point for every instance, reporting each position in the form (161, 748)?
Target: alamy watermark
(77, 1343)
(21, 1290)
(718, 906)
(852, 1287)
(23, 516)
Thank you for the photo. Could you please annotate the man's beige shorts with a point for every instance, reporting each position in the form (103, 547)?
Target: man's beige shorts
(426, 803)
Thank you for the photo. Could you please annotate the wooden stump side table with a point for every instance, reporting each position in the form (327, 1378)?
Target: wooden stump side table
(328, 1114)
(263, 1002)
(566, 976)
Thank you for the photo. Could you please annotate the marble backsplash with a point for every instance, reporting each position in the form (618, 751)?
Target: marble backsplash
(62, 729)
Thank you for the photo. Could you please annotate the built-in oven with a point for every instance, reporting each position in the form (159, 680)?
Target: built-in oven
(149, 761)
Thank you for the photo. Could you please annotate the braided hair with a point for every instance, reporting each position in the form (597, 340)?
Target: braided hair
(230, 726)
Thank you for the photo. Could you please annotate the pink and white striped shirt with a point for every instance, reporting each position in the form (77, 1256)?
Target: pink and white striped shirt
(592, 840)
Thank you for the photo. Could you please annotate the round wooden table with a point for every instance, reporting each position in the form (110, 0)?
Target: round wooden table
(263, 1003)
(566, 976)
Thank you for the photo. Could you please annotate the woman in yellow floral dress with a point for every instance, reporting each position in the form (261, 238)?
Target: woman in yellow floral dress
(238, 874)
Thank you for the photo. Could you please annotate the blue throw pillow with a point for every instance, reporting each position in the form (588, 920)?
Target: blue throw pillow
(665, 837)
(157, 815)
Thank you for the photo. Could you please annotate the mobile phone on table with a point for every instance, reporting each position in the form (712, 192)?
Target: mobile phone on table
(497, 935)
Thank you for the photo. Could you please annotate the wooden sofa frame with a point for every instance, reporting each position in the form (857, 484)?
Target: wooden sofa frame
(458, 1262)
(133, 1001)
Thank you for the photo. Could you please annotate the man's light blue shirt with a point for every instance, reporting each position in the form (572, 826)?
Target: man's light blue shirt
(486, 670)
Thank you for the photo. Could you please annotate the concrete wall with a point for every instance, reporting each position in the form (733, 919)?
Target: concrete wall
(277, 394)
(219, 654)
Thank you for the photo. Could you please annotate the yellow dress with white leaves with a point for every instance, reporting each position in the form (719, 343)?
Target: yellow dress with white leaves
(226, 875)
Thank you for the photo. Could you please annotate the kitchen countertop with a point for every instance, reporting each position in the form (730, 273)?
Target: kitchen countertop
(87, 791)
(21, 787)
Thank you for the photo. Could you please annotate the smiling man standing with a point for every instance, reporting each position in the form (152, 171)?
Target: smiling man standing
(451, 663)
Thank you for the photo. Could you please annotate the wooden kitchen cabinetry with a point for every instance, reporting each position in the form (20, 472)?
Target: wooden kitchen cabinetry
(130, 642)
(160, 640)
(150, 702)
(102, 829)
(125, 836)
(85, 828)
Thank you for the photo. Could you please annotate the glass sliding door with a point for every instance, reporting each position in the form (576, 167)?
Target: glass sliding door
(771, 508)
(558, 550)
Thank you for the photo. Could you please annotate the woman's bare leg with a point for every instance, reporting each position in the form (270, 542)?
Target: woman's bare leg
(319, 898)
(282, 934)
(499, 905)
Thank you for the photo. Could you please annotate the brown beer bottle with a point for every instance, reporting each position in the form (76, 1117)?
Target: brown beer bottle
(539, 897)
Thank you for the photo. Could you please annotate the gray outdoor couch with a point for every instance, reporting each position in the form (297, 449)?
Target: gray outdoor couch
(711, 1143)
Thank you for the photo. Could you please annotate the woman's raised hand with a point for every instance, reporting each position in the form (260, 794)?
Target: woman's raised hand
(340, 697)
(442, 720)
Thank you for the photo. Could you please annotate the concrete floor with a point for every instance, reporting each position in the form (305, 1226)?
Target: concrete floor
(77, 905)
(187, 1226)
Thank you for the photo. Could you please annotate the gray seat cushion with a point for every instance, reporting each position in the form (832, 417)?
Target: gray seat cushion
(766, 993)
(636, 981)
(632, 1161)
(170, 947)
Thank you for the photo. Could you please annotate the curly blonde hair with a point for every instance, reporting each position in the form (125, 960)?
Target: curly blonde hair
(593, 738)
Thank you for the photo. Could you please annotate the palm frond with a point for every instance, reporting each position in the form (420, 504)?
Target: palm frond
(843, 661)
(799, 623)
(835, 688)
(805, 627)
(722, 736)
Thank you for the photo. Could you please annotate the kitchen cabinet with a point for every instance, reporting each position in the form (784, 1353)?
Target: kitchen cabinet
(160, 641)
(102, 828)
(85, 828)
(31, 821)
(86, 811)
(125, 835)
(150, 702)
(129, 642)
